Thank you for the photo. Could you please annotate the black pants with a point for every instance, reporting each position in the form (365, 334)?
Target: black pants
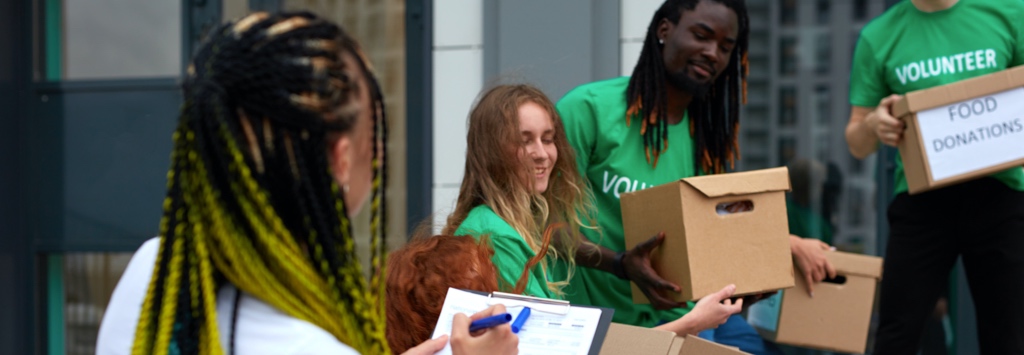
(981, 221)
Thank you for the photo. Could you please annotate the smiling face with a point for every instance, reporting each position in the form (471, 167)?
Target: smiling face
(697, 48)
(538, 151)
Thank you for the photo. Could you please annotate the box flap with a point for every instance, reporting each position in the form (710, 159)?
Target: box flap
(693, 345)
(916, 101)
(735, 184)
(856, 264)
(628, 339)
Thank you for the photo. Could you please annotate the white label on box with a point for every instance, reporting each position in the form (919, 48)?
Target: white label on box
(973, 134)
(765, 313)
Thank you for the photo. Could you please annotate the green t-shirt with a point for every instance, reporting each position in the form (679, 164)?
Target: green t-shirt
(906, 49)
(511, 253)
(610, 155)
(805, 223)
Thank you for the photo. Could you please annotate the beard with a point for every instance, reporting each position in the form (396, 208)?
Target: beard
(681, 81)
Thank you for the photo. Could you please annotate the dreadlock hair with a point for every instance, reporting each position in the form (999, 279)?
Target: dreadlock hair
(714, 120)
(495, 176)
(251, 199)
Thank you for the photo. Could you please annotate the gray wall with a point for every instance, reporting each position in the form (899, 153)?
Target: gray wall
(555, 45)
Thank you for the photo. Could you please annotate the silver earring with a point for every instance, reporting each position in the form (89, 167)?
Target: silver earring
(345, 188)
(661, 41)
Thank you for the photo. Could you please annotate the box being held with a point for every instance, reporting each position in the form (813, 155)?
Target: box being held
(706, 249)
(962, 131)
(836, 319)
(628, 339)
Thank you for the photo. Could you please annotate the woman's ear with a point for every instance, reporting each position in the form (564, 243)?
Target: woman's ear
(340, 155)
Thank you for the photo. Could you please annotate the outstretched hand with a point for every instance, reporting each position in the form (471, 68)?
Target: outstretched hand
(636, 264)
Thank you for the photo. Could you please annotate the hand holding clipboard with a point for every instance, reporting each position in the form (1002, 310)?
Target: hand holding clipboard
(552, 327)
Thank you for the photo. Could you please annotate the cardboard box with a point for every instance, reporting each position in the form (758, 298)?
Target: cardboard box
(628, 339)
(836, 319)
(962, 131)
(704, 251)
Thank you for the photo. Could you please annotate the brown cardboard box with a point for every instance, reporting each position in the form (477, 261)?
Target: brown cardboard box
(836, 319)
(704, 250)
(628, 339)
(964, 130)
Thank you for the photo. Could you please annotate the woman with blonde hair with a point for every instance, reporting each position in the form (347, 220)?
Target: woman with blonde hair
(523, 191)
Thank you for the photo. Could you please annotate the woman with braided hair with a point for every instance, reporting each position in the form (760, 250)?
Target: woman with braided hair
(279, 143)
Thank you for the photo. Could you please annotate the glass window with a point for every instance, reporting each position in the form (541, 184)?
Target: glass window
(822, 53)
(787, 14)
(860, 10)
(789, 56)
(112, 39)
(821, 10)
(787, 149)
(823, 105)
(79, 286)
(787, 107)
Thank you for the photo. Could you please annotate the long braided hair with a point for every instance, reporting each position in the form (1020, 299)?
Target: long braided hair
(251, 199)
(714, 120)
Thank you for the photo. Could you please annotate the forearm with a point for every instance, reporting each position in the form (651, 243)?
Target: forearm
(860, 139)
(681, 326)
(594, 256)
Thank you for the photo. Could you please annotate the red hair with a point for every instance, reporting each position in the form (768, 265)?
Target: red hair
(419, 275)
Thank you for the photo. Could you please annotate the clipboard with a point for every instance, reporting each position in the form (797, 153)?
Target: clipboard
(547, 306)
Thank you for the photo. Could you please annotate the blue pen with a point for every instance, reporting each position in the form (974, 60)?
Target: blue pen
(517, 325)
(492, 321)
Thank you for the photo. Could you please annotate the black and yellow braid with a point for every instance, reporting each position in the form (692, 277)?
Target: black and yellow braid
(714, 120)
(251, 199)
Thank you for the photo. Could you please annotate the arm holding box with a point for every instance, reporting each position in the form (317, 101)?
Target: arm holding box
(710, 312)
(809, 256)
(870, 125)
(633, 265)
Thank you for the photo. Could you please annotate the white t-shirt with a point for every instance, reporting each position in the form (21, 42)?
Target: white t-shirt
(261, 328)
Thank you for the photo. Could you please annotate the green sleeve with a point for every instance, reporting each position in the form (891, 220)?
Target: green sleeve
(510, 259)
(579, 119)
(867, 79)
(1018, 50)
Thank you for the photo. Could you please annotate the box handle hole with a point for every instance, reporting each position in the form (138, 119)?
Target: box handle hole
(838, 280)
(743, 206)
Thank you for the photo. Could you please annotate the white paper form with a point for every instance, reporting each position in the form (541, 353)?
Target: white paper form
(543, 334)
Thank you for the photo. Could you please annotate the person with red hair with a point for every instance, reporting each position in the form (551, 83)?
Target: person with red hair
(419, 275)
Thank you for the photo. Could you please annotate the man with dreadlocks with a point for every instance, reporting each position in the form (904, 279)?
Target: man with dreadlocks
(676, 116)
(279, 143)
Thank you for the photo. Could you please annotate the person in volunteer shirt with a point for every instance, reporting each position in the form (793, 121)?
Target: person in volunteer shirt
(917, 45)
(519, 178)
(676, 116)
(523, 194)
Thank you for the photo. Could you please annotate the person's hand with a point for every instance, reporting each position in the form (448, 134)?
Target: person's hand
(888, 129)
(809, 256)
(496, 340)
(636, 264)
(714, 309)
(749, 300)
(428, 347)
